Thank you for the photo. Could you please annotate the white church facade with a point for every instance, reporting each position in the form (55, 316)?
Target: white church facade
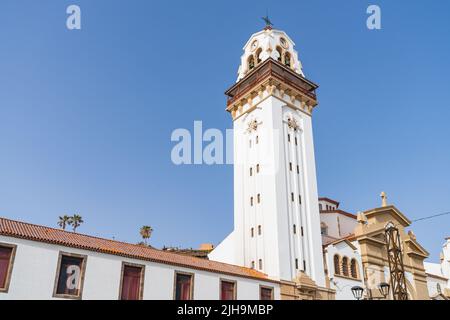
(287, 243)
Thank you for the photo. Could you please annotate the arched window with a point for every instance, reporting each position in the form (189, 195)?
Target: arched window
(354, 269)
(251, 62)
(280, 53)
(345, 266)
(337, 264)
(287, 60)
(258, 54)
(323, 229)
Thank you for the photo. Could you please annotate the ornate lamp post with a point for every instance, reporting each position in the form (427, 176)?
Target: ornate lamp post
(357, 292)
(384, 289)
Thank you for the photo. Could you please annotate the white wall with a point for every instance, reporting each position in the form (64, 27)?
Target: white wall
(339, 225)
(341, 284)
(441, 269)
(277, 246)
(35, 265)
(432, 284)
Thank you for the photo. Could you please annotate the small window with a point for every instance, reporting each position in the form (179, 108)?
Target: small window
(259, 198)
(257, 168)
(323, 229)
(304, 265)
(296, 264)
(337, 264)
(354, 269)
(257, 139)
(253, 265)
(345, 266)
(292, 196)
(296, 141)
(295, 229)
(266, 293)
(280, 53)
(290, 166)
(259, 230)
(251, 201)
(184, 286)
(260, 264)
(252, 232)
(301, 230)
(70, 276)
(300, 199)
(227, 290)
(251, 62)
(132, 283)
(258, 55)
(298, 169)
(287, 60)
(289, 137)
(7, 253)
(251, 172)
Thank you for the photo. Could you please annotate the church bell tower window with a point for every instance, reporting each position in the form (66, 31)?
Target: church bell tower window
(251, 63)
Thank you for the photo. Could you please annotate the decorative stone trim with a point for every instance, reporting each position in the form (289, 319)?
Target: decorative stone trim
(5, 289)
(292, 123)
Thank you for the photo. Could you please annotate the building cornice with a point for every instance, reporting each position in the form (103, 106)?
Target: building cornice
(271, 78)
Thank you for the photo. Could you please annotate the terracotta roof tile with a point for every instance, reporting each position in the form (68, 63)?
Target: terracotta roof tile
(344, 213)
(38, 233)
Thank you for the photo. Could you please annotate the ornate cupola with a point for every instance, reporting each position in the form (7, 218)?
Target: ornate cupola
(269, 43)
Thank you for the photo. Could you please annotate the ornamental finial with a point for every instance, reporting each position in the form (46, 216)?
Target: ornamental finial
(266, 19)
(383, 199)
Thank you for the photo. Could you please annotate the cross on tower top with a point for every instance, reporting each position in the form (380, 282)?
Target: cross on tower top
(269, 23)
(383, 199)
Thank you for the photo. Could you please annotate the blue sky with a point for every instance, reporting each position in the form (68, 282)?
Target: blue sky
(86, 116)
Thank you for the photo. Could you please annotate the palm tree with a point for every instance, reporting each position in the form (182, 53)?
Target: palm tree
(76, 221)
(64, 221)
(146, 233)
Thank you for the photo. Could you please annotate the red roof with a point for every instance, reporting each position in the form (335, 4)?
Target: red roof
(347, 214)
(329, 200)
(38, 233)
(326, 240)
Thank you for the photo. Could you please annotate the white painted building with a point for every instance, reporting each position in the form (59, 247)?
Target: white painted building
(37, 262)
(344, 267)
(438, 274)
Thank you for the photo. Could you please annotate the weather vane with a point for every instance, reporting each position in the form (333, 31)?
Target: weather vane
(266, 19)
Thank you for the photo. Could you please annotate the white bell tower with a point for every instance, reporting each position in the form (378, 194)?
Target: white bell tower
(276, 211)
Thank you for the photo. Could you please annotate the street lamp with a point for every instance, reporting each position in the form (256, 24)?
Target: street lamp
(384, 289)
(357, 292)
